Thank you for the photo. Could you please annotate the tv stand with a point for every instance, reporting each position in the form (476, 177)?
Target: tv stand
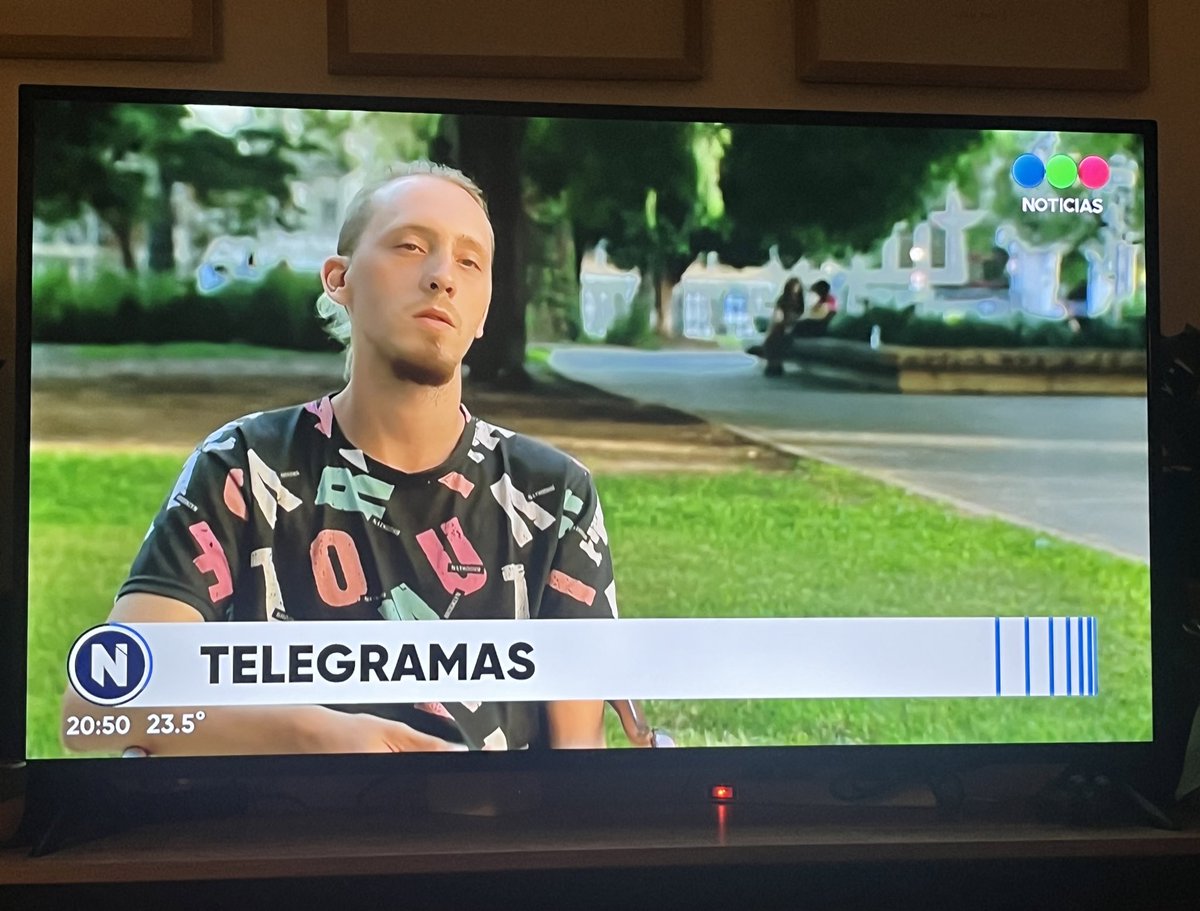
(74, 816)
(1088, 797)
(630, 853)
(483, 794)
(944, 789)
(77, 816)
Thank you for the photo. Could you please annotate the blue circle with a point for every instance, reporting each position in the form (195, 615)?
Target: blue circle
(109, 665)
(1028, 170)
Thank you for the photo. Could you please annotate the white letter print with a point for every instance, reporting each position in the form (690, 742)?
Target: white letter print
(515, 505)
(274, 597)
(268, 490)
(515, 573)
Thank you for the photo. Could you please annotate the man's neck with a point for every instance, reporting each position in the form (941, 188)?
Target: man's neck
(404, 425)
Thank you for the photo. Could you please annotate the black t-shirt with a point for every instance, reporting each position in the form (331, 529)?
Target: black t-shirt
(277, 516)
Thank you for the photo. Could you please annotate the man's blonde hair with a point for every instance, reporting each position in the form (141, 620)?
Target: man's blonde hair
(358, 215)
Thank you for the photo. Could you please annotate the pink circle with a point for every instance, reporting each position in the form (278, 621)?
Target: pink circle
(1093, 172)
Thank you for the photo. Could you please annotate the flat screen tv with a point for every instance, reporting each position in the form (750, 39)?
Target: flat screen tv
(791, 435)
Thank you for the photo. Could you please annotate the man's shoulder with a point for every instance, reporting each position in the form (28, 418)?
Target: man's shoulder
(527, 454)
(272, 426)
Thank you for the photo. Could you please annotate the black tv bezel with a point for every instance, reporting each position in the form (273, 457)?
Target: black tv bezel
(1170, 708)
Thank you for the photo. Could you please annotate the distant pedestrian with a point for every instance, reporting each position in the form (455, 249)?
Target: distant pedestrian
(788, 311)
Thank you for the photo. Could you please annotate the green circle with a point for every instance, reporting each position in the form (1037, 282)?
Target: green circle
(1061, 171)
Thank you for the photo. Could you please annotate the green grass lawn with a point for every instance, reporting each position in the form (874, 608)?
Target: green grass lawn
(180, 351)
(183, 351)
(816, 541)
(537, 354)
(822, 541)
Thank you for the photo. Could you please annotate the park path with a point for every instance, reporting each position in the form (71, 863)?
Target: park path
(1072, 466)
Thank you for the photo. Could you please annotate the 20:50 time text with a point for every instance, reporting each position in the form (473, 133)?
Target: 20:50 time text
(156, 723)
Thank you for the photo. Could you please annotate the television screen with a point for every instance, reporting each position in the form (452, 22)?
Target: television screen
(803, 429)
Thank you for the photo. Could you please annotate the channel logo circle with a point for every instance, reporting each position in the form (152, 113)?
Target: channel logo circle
(1094, 172)
(109, 665)
(1060, 171)
(1028, 171)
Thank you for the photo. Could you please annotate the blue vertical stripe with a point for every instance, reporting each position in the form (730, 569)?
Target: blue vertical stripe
(1051, 629)
(1087, 625)
(997, 656)
(1096, 653)
(1091, 656)
(1026, 656)
(1079, 621)
(1068, 625)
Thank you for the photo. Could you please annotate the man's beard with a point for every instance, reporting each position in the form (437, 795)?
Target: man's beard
(427, 371)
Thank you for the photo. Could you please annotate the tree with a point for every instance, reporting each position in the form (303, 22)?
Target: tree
(822, 189)
(78, 148)
(488, 149)
(985, 172)
(639, 184)
(123, 161)
(373, 141)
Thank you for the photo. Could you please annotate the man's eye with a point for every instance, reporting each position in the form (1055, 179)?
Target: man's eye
(408, 245)
(469, 263)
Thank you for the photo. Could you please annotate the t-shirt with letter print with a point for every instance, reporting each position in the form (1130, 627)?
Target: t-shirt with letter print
(277, 516)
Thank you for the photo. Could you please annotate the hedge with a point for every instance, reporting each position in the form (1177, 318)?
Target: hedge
(905, 327)
(278, 311)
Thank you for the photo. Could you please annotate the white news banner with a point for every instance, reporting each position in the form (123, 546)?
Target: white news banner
(188, 664)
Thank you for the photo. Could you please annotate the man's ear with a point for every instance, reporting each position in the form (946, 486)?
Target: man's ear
(333, 277)
(483, 322)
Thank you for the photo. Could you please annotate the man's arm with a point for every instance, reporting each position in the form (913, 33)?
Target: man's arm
(580, 585)
(576, 725)
(240, 730)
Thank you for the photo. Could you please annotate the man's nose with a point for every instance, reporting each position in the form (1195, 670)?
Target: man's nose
(439, 279)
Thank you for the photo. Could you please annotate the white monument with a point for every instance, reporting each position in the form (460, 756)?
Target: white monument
(928, 267)
(1114, 260)
(606, 292)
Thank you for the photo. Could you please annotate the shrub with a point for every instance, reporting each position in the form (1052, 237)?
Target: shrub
(633, 328)
(905, 327)
(278, 311)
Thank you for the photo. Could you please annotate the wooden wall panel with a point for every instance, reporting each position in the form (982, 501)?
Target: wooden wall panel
(109, 29)
(1067, 44)
(615, 39)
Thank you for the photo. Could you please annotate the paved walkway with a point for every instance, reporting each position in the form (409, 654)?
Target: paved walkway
(1070, 465)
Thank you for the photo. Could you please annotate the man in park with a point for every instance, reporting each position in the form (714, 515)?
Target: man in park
(384, 501)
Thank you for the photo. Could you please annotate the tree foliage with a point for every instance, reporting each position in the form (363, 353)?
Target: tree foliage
(645, 186)
(818, 190)
(983, 172)
(122, 161)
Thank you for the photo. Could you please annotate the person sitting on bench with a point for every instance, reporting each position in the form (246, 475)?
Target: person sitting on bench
(814, 321)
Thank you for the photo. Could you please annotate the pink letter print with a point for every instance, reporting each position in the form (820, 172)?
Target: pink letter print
(464, 553)
(212, 559)
(331, 591)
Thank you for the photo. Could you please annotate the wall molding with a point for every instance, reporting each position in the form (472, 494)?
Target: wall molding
(199, 44)
(344, 59)
(1008, 24)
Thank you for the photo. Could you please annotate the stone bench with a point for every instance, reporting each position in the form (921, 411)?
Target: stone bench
(1007, 371)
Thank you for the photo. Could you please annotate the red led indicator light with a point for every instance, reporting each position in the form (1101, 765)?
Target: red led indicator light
(722, 792)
